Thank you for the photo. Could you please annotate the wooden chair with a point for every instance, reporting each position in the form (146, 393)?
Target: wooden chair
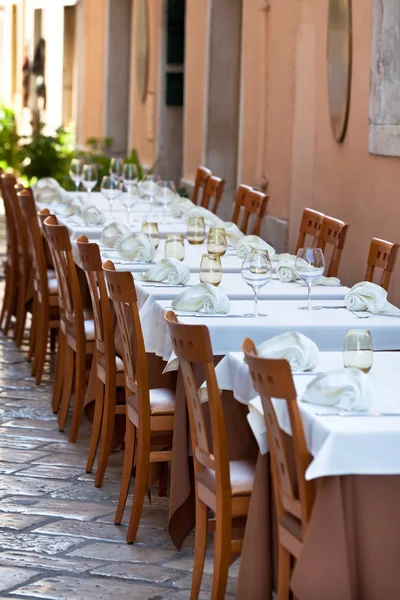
(311, 223)
(294, 496)
(213, 191)
(9, 307)
(45, 314)
(221, 485)
(77, 337)
(202, 176)
(150, 412)
(109, 367)
(249, 202)
(382, 255)
(333, 232)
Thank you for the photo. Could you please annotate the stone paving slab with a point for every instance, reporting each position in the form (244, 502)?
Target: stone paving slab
(19, 522)
(49, 472)
(9, 454)
(46, 562)
(11, 577)
(33, 542)
(26, 486)
(68, 509)
(125, 552)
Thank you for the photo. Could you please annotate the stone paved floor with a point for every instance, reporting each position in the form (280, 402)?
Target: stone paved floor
(57, 537)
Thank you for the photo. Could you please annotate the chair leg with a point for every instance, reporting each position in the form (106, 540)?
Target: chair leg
(96, 427)
(107, 432)
(79, 397)
(200, 547)
(32, 335)
(53, 339)
(222, 554)
(3, 306)
(139, 490)
(10, 297)
(283, 573)
(21, 314)
(59, 373)
(129, 457)
(41, 344)
(68, 375)
(163, 481)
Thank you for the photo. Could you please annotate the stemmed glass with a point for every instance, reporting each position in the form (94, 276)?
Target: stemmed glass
(129, 175)
(309, 265)
(149, 188)
(110, 189)
(89, 178)
(165, 194)
(116, 168)
(256, 271)
(128, 199)
(75, 172)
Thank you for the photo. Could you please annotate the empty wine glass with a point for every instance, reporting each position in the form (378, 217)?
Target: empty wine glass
(256, 271)
(358, 352)
(89, 178)
(116, 168)
(210, 269)
(196, 230)
(151, 230)
(128, 199)
(174, 246)
(75, 172)
(149, 188)
(110, 189)
(309, 265)
(129, 175)
(165, 194)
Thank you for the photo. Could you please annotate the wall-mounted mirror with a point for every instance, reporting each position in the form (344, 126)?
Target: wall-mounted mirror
(142, 47)
(339, 55)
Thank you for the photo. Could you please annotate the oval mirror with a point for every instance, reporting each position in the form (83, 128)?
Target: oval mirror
(142, 47)
(339, 54)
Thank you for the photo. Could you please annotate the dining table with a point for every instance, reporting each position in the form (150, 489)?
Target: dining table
(337, 513)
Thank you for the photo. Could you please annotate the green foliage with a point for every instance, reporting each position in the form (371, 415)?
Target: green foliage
(8, 138)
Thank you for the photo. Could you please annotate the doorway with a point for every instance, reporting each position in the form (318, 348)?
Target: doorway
(69, 66)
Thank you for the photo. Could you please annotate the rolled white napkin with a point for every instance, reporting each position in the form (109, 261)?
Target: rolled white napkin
(93, 216)
(371, 297)
(208, 216)
(301, 352)
(112, 235)
(73, 207)
(286, 271)
(171, 270)
(253, 242)
(179, 206)
(47, 190)
(348, 389)
(233, 233)
(137, 247)
(205, 297)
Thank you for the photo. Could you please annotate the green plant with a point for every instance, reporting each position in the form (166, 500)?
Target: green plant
(9, 138)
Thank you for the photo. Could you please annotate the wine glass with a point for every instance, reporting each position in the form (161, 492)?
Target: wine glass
(89, 178)
(256, 271)
(174, 246)
(149, 188)
(75, 172)
(165, 194)
(210, 269)
(110, 190)
(151, 230)
(216, 243)
(116, 168)
(309, 265)
(129, 175)
(196, 230)
(357, 352)
(128, 198)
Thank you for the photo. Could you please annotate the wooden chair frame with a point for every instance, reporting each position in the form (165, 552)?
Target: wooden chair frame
(382, 255)
(202, 176)
(333, 232)
(150, 434)
(192, 344)
(294, 496)
(311, 223)
(213, 191)
(249, 202)
(9, 307)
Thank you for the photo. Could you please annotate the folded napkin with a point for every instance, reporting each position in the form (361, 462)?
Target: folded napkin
(301, 352)
(348, 389)
(371, 297)
(286, 271)
(113, 234)
(47, 190)
(93, 216)
(73, 207)
(233, 233)
(179, 206)
(171, 270)
(205, 297)
(208, 216)
(137, 247)
(252, 242)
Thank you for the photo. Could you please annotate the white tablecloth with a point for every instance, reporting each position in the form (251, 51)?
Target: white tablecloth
(339, 445)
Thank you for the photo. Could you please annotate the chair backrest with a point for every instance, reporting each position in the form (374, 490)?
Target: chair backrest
(90, 259)
(213, 191)
(24, 259)
(254, 203)
(7, 183)
(333, 232)
(69, 293)
(35, 238)
(43, 213)
(311, 223)
(202, 176)
(273, 379)
(382, 255)
(122, 291)
(192, 345)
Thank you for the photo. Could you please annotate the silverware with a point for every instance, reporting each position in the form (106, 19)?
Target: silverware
(313, 373)
(331, 307)
(360, 315)
(357, 414)
(206, 316)
(164, 285)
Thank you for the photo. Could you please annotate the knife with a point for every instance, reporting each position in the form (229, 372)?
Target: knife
(358, 414)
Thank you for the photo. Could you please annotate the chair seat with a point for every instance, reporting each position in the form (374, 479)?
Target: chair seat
(292, 525)
(89, 330)
(162, 402)
(53, 286)
(241, 474)
(119, 364)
